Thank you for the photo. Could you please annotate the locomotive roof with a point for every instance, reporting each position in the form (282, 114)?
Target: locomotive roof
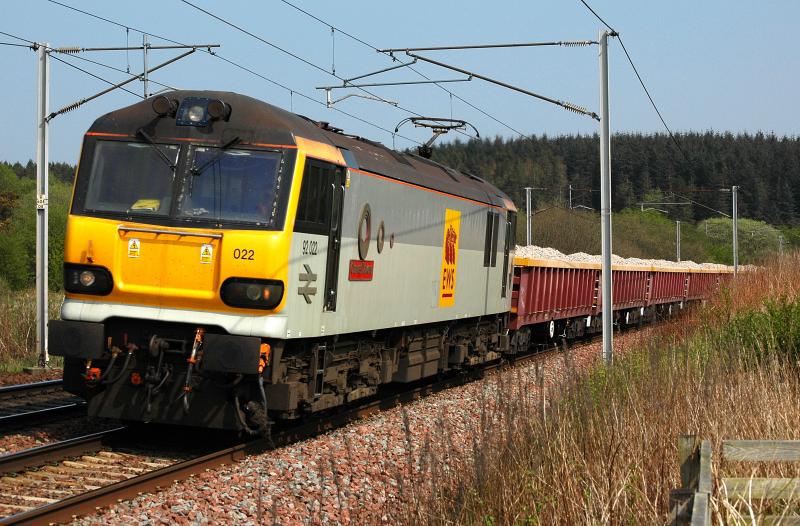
(255, 121)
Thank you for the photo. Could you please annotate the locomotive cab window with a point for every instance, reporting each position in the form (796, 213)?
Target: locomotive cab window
(176, 185)
(131, 178)
(237, 186)
(316, 197)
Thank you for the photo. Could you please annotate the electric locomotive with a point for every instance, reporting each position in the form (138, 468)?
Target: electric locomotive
(228, 263)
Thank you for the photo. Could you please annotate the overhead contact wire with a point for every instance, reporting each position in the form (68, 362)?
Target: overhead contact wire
(299, 58)
(232, 63)
(598, 16)
(93, 75)
(15, 45)
(641, 81)
(56, 50)
(120, 70)
(652, 102)
(285, 51)
(374, 48)
(17, 37)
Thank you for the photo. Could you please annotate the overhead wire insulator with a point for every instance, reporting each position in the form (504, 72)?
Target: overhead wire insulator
(68, 50)
(578, 43)
(575, 108)
(579, 109)
(66, 109)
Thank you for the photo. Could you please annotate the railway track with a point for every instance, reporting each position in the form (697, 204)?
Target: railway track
(56, 482)
(25, 403)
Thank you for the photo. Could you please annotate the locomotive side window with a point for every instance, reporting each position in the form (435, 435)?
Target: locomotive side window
(495, 232)
(316, 194)
(490, 243)
(487, 244)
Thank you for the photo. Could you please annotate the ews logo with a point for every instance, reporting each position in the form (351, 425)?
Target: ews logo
(450, 239)
(447, 279)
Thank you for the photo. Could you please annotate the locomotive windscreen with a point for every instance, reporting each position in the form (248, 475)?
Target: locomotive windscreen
(232, 185)
(131, 178)
(184, 184)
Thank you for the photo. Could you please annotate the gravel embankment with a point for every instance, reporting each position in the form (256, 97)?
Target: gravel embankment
(534, 252)
(359, 474)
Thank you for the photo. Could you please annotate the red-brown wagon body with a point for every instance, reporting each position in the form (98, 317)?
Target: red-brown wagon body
(545, 290)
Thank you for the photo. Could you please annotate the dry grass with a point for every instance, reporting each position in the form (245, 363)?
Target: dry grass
(606, 453)
(18, 328)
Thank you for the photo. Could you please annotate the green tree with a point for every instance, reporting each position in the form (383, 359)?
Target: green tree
(18, 235)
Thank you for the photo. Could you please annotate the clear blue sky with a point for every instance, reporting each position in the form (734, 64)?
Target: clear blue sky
(710, 65)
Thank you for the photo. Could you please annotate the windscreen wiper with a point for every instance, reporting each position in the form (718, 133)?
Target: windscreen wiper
(155, 146)
(198, 171)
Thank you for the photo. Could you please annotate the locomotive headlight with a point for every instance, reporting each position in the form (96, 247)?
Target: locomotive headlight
(87, 278)
(200, 111)
(195, 113)
(252, 293)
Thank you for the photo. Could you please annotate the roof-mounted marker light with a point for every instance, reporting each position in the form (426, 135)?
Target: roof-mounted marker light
(165, 106)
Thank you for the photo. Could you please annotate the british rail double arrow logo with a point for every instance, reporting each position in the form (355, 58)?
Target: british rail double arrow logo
(308, 278)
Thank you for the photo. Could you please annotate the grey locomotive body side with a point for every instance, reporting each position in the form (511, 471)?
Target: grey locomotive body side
(405, 284)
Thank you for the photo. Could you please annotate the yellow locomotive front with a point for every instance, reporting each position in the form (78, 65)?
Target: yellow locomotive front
(177, 245)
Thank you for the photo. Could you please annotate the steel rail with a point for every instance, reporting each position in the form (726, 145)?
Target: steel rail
(26, 411)
(40, 455)
(29, 386)
(90, 501)
(41, 414)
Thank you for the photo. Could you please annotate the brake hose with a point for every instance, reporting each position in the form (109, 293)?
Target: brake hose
(125, 364)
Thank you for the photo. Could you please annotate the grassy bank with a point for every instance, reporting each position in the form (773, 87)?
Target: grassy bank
(18, 328)
(606, 452)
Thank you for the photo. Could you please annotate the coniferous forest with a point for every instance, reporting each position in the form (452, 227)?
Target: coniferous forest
(645, 168)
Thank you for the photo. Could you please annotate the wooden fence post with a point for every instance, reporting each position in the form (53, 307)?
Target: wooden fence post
(701, 507)
(681, 500)
(687, 459)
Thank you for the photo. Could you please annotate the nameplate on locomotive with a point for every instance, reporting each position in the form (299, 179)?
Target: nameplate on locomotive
(361, 270)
